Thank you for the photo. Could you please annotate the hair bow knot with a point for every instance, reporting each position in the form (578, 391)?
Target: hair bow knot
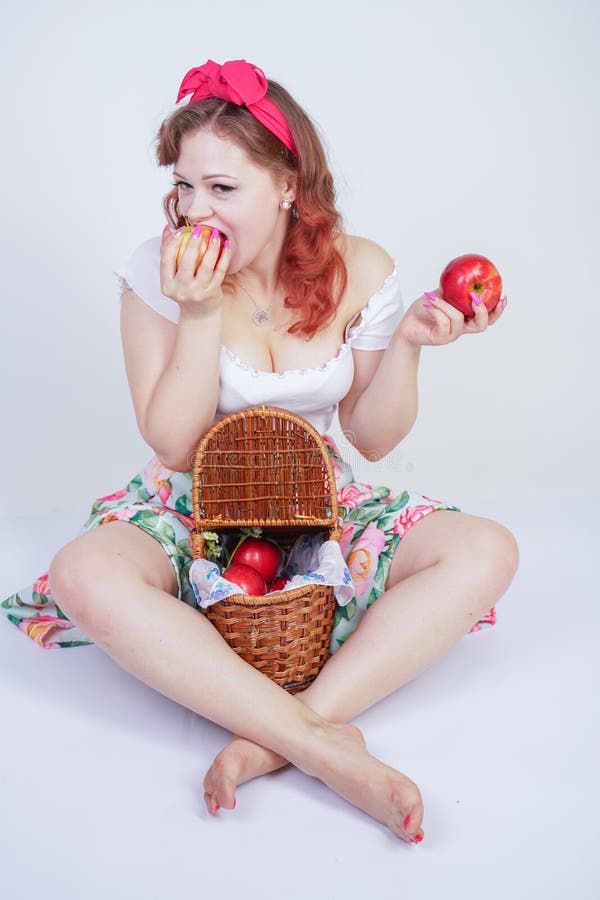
(239, 82)
(236, 81)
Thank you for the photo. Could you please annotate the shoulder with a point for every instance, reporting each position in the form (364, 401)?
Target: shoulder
(367, 262)
(373, 304)
(369, 269)
(357, 250)
(140, 273)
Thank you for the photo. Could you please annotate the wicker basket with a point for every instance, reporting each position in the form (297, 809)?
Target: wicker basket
(267, 467)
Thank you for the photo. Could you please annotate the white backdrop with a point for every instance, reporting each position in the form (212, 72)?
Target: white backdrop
(450, 126)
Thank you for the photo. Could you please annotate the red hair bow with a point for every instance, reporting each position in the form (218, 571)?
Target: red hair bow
(241, 83)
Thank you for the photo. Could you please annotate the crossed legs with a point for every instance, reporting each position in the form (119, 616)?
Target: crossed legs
(447, 572)
(118, 585)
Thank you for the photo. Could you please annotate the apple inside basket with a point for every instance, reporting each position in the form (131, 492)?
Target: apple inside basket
(283, 632)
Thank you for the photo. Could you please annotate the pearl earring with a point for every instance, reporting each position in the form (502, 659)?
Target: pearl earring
(285, 204)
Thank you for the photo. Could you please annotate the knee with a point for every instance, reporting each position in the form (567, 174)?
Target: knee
(71, 577)
(496, 548)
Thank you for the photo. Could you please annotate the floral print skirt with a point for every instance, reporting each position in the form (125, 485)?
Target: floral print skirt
(159, 501)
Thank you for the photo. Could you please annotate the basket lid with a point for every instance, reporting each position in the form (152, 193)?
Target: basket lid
(263, 466)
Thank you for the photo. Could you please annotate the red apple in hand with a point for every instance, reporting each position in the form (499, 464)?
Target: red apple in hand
(203, 241)
(247, 578)
(470, 274)
(264, 556)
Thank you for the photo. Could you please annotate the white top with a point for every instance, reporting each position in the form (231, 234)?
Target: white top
(311, 393)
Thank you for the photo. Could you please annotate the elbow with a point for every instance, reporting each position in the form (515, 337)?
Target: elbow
(375, 453)
(173, 462)
(174, 458)
(177, 464)
(176, 455)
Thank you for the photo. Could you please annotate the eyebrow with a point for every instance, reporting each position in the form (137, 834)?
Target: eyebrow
(208, 177)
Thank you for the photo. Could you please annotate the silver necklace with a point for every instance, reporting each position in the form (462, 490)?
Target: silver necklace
(260, 315)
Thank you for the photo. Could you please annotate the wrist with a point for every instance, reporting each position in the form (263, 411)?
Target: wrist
(401, 340)
(208, 310)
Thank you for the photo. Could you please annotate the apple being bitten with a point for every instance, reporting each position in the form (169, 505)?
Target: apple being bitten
(203, 242)
(469, 274)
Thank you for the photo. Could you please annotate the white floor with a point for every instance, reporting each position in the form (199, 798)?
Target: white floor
(102, 777)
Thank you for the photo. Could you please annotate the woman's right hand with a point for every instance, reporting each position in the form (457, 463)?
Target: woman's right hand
(198, 293)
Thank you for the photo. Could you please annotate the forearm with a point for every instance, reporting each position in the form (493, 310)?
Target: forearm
(387, 409)
(184, 402)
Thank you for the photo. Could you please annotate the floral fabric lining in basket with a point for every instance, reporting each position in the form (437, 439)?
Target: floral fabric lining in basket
(312, 560)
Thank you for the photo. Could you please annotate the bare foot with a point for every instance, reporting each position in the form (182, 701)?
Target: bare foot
(238, 762)
(346, 766)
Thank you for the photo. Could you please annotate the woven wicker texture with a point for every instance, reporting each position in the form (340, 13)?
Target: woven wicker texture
(264, 466)
(267, 467)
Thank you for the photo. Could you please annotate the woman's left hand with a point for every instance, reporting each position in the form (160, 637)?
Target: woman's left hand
(442, 323)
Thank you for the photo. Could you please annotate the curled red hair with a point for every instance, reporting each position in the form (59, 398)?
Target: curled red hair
(312, 269)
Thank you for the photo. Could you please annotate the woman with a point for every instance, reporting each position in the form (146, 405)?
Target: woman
(294, 312)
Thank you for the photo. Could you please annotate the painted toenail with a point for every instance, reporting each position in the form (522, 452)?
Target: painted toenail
(417, 839)
(406, 823)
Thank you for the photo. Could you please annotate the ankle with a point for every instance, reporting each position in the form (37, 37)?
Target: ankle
(317, 747)
(321, 706)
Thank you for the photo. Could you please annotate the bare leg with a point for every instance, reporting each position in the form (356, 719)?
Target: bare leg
(116, 583)
(434, 596)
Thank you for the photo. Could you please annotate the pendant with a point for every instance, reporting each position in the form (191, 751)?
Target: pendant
(260, 316)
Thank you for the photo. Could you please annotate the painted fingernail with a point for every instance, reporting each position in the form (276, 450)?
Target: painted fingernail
(428, 305)
(214, 235)
(197, 231)
(475, 299)
(431, 296)
(406, 823)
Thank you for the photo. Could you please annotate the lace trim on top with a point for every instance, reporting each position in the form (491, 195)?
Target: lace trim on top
(326, 365)
(330, 362)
